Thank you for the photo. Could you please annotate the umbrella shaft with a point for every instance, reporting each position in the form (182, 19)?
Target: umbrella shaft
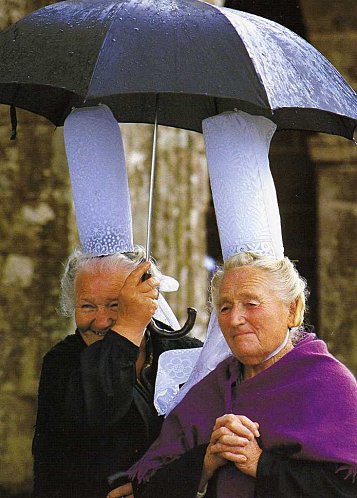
(151, 191)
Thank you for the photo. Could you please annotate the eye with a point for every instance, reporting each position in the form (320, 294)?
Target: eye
(87, 307)
(252, 304)
(225, 308)
(113, 306)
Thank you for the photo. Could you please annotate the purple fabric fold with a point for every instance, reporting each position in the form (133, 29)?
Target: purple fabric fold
(308, 398)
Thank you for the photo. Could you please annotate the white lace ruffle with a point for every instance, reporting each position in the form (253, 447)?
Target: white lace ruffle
(201, 361)
(174, 369)
(165, 314)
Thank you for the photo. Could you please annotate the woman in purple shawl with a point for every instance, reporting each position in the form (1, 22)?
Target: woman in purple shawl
(276, 419)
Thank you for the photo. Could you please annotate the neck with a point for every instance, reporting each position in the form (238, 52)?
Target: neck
(276, 355)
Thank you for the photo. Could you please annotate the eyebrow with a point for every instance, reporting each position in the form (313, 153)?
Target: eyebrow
(223, 300)
(245, 295)
(92, 299)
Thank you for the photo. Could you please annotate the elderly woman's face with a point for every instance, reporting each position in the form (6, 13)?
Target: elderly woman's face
(252, 317)
(96, 295)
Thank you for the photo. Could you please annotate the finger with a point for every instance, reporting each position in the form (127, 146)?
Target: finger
(136, 275)
(115, 494)
(149, 284)
(233, 424)
(222, 421)
(239, 424)
(233, 440)
(249, 424)
(222, 431)
(221, 447)
(233, 457)
(154, 306)
(153, 293)
(124, 490)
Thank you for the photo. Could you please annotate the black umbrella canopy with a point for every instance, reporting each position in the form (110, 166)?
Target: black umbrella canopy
(200, 60)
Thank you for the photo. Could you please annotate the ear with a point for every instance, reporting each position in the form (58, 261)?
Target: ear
(292, 314)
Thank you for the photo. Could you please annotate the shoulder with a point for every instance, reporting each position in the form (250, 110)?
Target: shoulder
(313, 355)
(65, 350)
(59, 362)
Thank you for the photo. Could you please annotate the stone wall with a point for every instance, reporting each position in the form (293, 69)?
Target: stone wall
(37, 232)
(332, 28)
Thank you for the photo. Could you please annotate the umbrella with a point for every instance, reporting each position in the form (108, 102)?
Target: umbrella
(199, 59)
(173, 62)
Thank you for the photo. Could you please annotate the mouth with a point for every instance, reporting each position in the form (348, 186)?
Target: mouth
(101, 333)
(242, 333)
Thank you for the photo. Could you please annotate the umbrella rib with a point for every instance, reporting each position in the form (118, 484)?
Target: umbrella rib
(116, 10)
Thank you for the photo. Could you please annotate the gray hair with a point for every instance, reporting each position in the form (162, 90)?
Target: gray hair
(79, 260)
(289, 284)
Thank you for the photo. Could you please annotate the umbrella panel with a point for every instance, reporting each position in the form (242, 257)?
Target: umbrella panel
(125, 52)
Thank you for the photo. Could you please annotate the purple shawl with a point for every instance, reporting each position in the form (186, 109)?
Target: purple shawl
(307, 398)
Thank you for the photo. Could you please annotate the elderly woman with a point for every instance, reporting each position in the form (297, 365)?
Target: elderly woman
(95, 404)
(276, 419)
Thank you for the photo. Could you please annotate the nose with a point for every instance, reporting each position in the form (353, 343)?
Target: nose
(103, 319)
(238, 315)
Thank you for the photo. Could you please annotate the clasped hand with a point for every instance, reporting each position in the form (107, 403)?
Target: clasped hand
(233, 439)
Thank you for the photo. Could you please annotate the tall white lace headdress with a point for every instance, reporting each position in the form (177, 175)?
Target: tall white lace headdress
(96, 161)
(243, 191)
(248, 219)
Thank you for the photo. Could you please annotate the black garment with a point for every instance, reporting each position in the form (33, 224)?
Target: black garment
(278, 476)
(94, 417)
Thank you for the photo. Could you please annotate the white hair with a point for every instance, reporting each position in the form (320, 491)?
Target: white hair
(79, 261)
(289, 285)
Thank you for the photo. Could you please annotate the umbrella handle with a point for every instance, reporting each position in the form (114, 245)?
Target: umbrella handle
(176, 334)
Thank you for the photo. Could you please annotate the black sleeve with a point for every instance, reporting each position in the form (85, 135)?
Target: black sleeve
(50, 442)
(79, 389)
(279, 476)
(175, 480)
(108, 378)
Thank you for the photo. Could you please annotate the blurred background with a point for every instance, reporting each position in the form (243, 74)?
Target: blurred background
(315, 177)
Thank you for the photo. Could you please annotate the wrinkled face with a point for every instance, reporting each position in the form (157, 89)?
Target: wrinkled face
(252, 316)
(96, 294)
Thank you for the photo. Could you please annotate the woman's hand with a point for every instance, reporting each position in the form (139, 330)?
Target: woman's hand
(252, 453)
(245, 458)
(237, 442)
(126, 490)
(231, 433)
(137, 302)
